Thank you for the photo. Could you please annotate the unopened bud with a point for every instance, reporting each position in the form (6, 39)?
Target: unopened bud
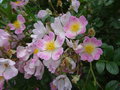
(91, 32)
(59, 3)
(75, 78)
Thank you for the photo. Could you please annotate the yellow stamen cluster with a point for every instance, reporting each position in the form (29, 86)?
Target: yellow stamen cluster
(36, 51)
(17, 24)
(89, 48)
(75, 27)
(50, 46)
(18, 2)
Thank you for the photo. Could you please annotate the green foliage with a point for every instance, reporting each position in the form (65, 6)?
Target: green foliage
(103, 16)
(112, 85)
(112, 68)
(100, 66)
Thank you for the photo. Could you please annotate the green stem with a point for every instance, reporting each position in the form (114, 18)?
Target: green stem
(3, 23)
(50, 2)
(93, 74)
(86, 79)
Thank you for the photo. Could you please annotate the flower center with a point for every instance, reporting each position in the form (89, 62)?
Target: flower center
(17, 24)
(1, 77)
(50, 46)
(89, 48)
(6, 65)
(75, 27)
(18, 2)
(36, 51)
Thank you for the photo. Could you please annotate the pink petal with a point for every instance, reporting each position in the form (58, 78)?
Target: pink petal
(83, 20)
(40, 44)
(56, 54)
(22, 27)
(19, 31)
(86, 40)
(49, 37)
(10, 73)
(11, 26)
(97, 53)
(21, 18)
(96, 42)
(73, 19)
(69, 34)
(59, 41)
(87, 57)
(82, 30)
(44, 55)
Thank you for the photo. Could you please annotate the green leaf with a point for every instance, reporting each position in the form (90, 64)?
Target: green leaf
(112, 85)
(100, 66)
(112, 68)
(108, 51)
(117, 55)
(108, 2)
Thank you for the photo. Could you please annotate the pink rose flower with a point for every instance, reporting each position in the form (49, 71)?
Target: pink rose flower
(90, 49)
(75, 26)
(18, 25)
(49, 47)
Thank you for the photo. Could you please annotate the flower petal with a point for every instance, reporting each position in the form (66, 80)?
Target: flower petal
(83, 20)
(56, 54)
(10, 72)
(21, 18)
(2, 68)
(59, 41)
(44, 55)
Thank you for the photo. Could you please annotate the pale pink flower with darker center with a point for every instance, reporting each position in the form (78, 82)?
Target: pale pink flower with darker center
(7, 68)
(75, 26)
(34, 67)
(4, 38)
(62, 83)
(49, 47)
(90, 50)
(18, 25)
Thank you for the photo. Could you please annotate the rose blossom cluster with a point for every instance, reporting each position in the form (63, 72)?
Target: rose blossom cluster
(48, 47)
